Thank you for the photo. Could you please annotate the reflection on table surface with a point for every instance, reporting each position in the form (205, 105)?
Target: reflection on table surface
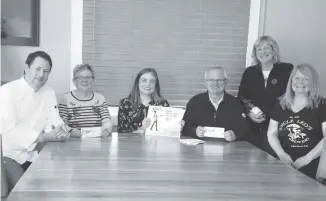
(137, 167)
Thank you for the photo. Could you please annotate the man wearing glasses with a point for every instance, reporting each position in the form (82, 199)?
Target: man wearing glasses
(215, 109)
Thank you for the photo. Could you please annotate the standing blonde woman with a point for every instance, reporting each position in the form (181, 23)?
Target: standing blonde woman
(298, 122)
(261, 84)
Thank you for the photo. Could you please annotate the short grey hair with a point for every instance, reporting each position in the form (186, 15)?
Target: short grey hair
(217, 68)
(81, 67)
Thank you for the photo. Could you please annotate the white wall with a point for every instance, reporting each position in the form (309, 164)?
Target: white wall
(299, 28)
(55, 39)
(0, 49)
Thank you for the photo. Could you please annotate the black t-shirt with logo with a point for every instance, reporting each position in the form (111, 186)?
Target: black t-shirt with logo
(299, 132)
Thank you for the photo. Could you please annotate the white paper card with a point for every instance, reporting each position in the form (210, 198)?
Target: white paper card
(255, 110)
(91, 132)
(165, 121)
(214, 132)
(191, 141)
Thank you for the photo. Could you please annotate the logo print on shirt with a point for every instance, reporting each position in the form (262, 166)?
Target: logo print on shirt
(295, 134)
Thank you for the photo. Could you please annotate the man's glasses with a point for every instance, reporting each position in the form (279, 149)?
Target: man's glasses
(219, 81)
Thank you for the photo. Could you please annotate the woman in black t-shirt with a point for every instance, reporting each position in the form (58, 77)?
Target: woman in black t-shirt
(297, 122)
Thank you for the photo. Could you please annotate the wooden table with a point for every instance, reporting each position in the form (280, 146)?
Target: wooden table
(143, 168)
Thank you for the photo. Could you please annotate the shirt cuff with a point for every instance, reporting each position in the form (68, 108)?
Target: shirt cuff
(32, 146)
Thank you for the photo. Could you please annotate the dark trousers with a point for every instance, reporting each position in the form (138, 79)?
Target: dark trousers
(154, 123)
(14, 171)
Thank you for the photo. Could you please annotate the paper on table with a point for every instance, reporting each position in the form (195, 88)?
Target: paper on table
(91, 132)
(192, 141)
(215, 132)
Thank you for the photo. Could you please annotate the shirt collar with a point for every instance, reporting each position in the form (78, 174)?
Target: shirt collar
(215, 104)
(27, 87)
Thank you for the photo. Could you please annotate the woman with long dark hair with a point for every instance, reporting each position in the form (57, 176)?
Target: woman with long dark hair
(133, 109)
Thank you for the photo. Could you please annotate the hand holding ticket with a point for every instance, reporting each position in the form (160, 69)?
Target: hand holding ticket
(214, 132)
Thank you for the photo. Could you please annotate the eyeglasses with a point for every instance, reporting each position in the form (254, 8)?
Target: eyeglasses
(298, 79)
(219, 81)
(84, 78)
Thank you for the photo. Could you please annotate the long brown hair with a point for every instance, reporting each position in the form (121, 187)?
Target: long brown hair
(134, 95)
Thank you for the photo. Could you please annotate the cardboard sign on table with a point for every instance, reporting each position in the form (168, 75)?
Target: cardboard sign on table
(165, 121)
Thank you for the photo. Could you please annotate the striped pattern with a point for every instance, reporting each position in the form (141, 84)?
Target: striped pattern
(179, 38)
(78, 113)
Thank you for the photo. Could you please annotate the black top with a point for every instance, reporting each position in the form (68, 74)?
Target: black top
(299, 132)
(229, 115)
(252, 86)
(130, 120)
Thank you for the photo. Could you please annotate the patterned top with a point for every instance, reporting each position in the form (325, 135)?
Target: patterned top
(130, 120)
(83, 113)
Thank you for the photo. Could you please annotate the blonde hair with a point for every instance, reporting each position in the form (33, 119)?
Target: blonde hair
(270, 41)
(81, 67)
(314, 96)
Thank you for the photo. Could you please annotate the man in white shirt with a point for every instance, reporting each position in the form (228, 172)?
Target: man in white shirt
(28, 116)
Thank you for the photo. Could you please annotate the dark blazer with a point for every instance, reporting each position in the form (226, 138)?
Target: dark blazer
(200, 112)
(252, 86)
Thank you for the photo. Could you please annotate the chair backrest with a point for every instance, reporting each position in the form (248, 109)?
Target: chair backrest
(4, 187)
(114, 116)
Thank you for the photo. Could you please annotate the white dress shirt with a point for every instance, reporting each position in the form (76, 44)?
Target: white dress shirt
(24, 114)
(216, 104)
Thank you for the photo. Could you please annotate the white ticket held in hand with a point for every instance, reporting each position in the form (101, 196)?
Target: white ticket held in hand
(256, 110)
(214, 132)
(91, 132)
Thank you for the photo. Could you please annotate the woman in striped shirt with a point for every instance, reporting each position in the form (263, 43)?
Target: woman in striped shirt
(82, 107)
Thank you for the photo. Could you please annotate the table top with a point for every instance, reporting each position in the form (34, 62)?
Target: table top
(136, 167)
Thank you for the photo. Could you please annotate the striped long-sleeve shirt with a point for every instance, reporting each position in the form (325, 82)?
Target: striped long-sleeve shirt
(83, 113)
